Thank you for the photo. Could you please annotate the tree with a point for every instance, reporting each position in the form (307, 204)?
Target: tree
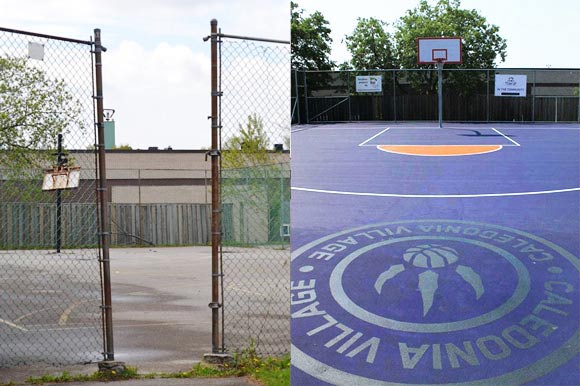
(482, 44)
(249, 148)
(34, 109)
(123, 146)
(310, 40)
(251, 179)
(370, 45)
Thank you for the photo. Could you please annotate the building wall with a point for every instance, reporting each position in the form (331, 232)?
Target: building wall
(155, 176)
(180, 194)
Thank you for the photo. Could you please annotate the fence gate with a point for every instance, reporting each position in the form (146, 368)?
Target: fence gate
(251, 124)
(51, 260)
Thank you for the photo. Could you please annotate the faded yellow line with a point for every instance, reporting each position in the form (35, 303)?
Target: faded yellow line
(66, 314)
(32, 313)
(10, 324)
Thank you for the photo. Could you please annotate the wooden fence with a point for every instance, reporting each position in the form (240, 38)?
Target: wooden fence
(160, 224)
(33, 225)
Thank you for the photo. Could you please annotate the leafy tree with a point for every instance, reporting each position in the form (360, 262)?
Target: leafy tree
(34, 109)
(482, 44)
(370, 45)
(310, 40)
(249, 148)
(345, 66)
(251, 176)
(123, 146)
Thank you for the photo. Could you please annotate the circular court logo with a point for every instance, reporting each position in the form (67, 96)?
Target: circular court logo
(431, 302)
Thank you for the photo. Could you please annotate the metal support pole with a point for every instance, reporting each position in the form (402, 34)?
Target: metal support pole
(395, 95)
(349, 103)
(534, 99)
(487, 96)
(440, 92)
(578, 102)
(305, 95)
(297, 95)
(103, 202)
(60, 163)
(215, 194)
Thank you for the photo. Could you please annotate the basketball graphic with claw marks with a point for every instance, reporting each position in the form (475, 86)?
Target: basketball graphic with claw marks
(414, 302)
(431, 257)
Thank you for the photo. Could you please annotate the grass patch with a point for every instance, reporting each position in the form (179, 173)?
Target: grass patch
(273, 371)
(128, 373)
(268, 371)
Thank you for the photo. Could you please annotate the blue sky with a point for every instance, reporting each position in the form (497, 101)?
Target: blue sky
(539, 33)
(157, 68)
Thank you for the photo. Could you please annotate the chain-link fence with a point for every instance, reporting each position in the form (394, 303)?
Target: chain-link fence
(254, 90)
(50, 292)
(469, 95)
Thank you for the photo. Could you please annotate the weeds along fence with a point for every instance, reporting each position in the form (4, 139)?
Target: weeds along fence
(405, 95)
(250, 105)
(51, 299)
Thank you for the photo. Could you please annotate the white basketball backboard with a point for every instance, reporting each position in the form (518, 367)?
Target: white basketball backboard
(434, 50)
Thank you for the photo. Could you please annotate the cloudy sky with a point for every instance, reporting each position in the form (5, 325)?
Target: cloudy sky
(156, 70)
(539, 33)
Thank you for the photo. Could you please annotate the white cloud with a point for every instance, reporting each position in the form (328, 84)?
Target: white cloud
(161, 96)
(156, 69)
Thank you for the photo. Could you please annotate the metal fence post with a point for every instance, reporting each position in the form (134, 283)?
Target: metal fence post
(59, 162)
(578, 101)
(305, 96)
(395, 95)
(440, 92)
(487, 96)
(349, 104)
(215, 194)
(104, 234)
(534, 98)
(297, 95)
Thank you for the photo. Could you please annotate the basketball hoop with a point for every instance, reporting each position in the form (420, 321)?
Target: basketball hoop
(63, 177)
(431, 50)
(439, 51)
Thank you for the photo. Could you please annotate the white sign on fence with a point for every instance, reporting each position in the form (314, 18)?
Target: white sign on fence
(370, 83)
(510, 85)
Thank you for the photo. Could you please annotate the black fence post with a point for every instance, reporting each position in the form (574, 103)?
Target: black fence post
(305, 95)
(59, 162)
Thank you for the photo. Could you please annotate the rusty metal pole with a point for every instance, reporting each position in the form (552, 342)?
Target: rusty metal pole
(215, 194)
(109, 354)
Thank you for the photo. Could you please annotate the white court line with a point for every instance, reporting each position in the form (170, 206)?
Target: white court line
(508, 138)
(10, 324)
(336, 128)
(373, 137)
(339, 192)
(549, 128)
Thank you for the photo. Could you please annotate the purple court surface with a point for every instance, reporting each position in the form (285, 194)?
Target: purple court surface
(435, 256)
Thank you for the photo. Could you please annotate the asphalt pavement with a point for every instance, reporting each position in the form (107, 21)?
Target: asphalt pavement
(161, 319)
